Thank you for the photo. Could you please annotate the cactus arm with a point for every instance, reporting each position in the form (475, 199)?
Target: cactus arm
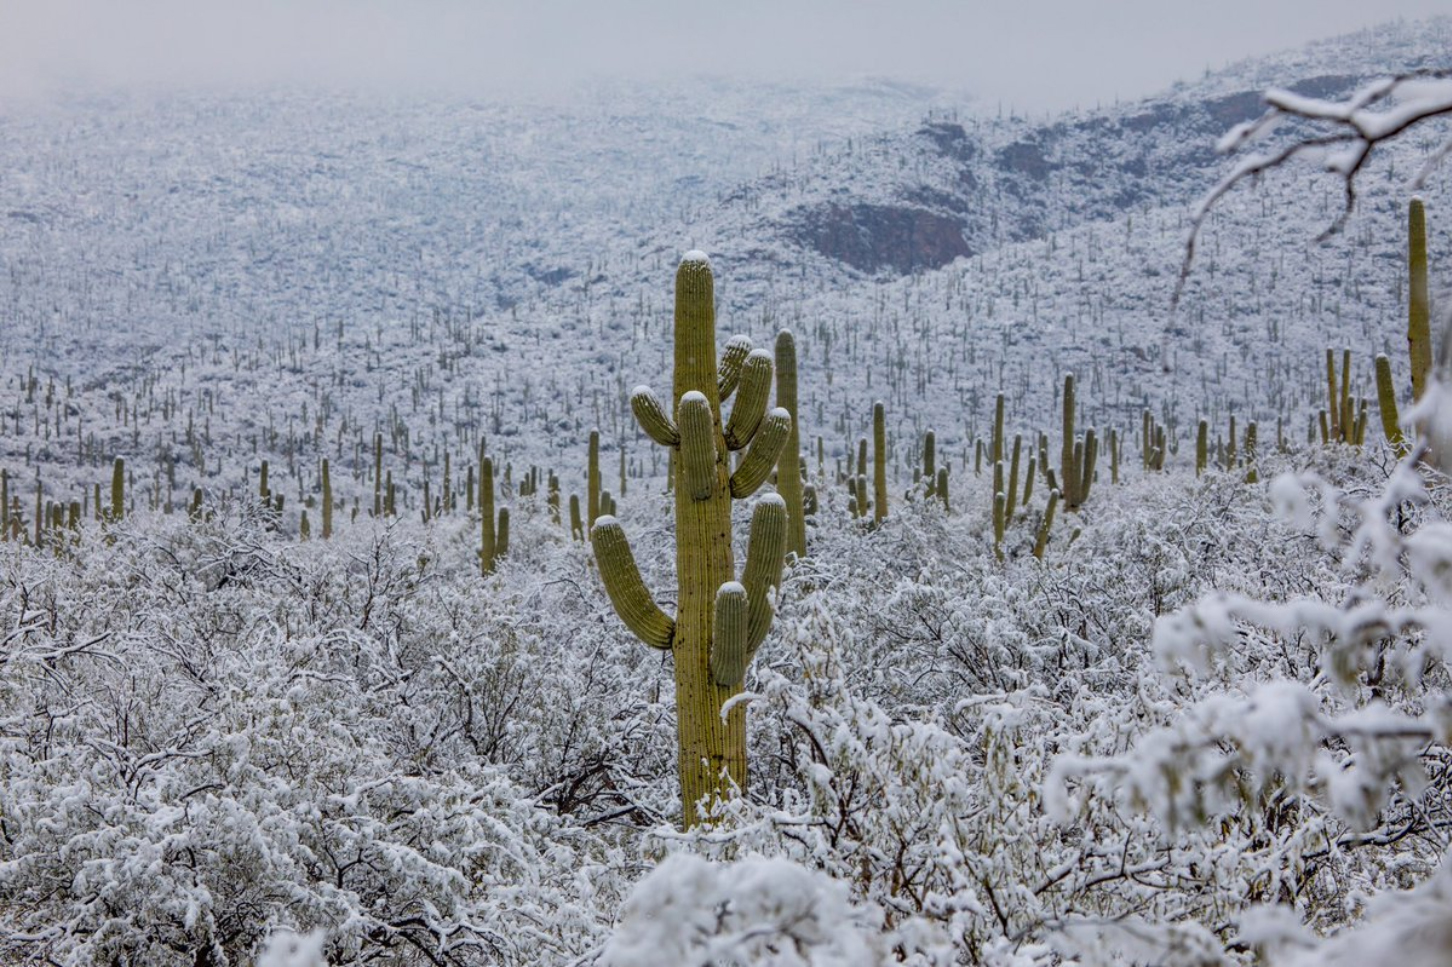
(1042, 540)
(653, 418)
(765, 555)
(765, 448)
(698, 446)
(752, 392)
(941, 488)
(728, 640)
(732, 357)
(626, 589)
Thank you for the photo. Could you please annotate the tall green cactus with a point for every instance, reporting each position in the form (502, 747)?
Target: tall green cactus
(788, 467)
(118, 488)
(1070, 474)
(327, 508)
(720, 621)
(1202, 446)
(879, 462)
(592, 481)
(493, 540)
(1419, 330)
(1386, 398)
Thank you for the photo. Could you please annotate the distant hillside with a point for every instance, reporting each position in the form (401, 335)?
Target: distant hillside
(916, 200)
(209, 281)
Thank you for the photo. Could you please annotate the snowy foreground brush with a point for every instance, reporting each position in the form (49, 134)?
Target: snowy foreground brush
(1199, 730)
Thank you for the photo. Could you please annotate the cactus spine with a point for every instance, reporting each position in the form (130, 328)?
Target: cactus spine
(1419, 332)
(719, 621)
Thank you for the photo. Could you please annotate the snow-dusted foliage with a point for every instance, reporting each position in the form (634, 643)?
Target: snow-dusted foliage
(1210, 726)
(1193, 730)
(1316, 718)
(206, 734)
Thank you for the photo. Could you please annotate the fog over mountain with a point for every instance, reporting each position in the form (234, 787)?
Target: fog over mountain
(1037, 55)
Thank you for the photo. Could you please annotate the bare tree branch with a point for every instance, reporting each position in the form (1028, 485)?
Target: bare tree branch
(1380, 112)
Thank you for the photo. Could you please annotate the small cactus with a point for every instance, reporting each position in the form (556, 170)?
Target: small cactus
(118, 488)
(1386, 400)
(879, 462)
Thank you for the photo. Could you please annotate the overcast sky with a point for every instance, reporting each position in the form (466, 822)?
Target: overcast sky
(1031, 54)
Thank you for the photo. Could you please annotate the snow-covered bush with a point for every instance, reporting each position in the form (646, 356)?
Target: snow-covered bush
(209, 734)
(1316, 719)
(692, 913)
(206, 735)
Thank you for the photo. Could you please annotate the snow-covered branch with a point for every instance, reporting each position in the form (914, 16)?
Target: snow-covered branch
(1341, 135)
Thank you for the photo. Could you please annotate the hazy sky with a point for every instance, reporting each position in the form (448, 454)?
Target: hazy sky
(1034, 54)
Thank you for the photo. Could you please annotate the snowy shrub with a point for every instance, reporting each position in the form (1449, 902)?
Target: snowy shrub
(207, 736)
(213, 740)
(692, 913)
(1316, 722)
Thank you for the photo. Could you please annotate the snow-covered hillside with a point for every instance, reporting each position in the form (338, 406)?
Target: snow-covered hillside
(421, 268)
(1201, 719)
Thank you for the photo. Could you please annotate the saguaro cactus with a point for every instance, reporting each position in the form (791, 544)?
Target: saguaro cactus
(720, 621)
(1386, 397)
(327, 498)
(1419, 330)
(493, 540)
(118, 489)
(788, 468)
(879, 462)
(1070, 473)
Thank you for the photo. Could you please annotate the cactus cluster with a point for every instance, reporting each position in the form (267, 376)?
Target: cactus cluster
(1077, 455)
(1342, 421)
